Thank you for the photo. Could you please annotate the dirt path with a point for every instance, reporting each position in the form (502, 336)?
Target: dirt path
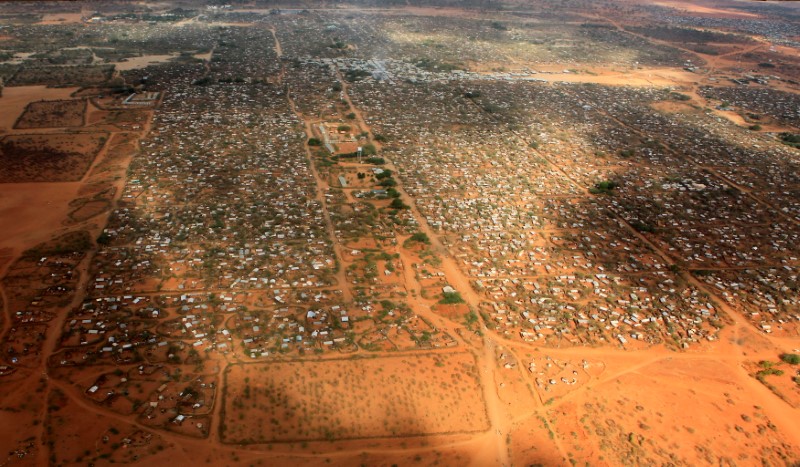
(279, 54)
(55, 326)
(278, 49)
(777, 407)
(54, 330)
(4, 298)
(457, 279)
(414, 290)
(98, 158)
(321, 188)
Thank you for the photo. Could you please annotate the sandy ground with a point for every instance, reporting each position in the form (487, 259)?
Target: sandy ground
(143, 61)
(659, 77)
(37, 210)
(703, 10)
(15, 99)
(356, 398)
(61, 18)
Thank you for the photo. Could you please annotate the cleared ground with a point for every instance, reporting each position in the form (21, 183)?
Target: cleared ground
(53, 114)
(353, 398)
(48, 158)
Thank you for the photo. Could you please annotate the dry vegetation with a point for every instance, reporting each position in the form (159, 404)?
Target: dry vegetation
(353, 398)
(53, 114)
(48, 158)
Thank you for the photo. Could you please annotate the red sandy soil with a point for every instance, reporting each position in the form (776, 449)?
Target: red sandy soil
(61, 18)
(350, 399)
(51, 114)
(16, 98)
(34, 211)
(710, 9)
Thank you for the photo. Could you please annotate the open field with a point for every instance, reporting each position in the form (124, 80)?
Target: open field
(37, 210)
(349, 399)
(48, 158)
(52, 114)
(63, 75)
(16, 99)
(710, 414)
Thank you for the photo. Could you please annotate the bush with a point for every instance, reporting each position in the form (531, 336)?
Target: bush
(356, 75)
(314, 142)
(343, 128)
(369, 149)
(419, 237)
(451, 298)
(791, 358)
(492, 108)
(203, 81)
(397, 203)
(602, 188)
(791, 139)
(470, 319)
(642, 227)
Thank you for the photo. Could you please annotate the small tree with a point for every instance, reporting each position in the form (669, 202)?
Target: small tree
(791, 358)
(603, 187)
(397, 203)
(369, 149)
(451, 298)
(421, 237)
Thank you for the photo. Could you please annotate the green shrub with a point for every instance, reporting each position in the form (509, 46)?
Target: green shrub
(791, 139)
(397, 203)
(451, 298)
(791, 358)
(603, 187)
(369, 149)
(421, 237)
